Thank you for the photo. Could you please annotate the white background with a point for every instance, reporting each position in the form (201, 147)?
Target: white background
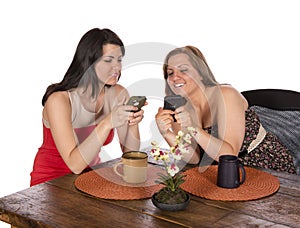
(249, 44)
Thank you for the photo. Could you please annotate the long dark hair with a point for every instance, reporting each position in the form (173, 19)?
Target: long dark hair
(197, 60)
(88, 51)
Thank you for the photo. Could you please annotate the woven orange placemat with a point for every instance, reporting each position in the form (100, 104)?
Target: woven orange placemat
(104, 183)
(258, 184)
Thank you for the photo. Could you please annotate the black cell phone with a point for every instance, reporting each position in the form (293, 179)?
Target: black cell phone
(173, 102)
(137, 101)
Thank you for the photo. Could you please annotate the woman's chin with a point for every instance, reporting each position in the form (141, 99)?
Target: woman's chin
(179, 91)
(111, 82)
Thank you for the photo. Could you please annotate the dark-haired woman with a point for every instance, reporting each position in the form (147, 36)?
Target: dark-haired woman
(81, 112)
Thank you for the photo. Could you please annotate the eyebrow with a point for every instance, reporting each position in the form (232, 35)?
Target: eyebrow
(111, 56)
(184, 64)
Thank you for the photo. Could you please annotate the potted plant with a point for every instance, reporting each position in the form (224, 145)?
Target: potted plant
(172, 197)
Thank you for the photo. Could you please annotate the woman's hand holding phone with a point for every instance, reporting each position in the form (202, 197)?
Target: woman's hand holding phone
(138, 102)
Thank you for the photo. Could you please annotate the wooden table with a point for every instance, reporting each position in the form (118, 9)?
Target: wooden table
(58, 203)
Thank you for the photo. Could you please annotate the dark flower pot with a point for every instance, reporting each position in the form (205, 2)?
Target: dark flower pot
(171, 207)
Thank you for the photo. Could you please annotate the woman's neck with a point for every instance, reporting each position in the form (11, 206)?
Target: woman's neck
(90, 103)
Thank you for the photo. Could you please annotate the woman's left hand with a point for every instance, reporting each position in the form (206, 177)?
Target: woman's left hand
(183, 117)
(136, 118)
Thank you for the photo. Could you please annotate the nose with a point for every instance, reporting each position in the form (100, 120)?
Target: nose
(176, 75)
(117, 65)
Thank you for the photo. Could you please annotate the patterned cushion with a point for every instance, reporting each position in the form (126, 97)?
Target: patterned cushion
(286, 126)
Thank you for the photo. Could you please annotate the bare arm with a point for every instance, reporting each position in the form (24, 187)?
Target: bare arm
(128, 133)
(229, 113)
(57, 111)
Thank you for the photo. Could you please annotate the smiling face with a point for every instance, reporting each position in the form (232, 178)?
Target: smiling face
(182, 75)
(108, 68)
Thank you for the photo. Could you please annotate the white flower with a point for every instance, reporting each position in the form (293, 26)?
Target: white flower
(175, 153)
(187, 138)
(154, 152)
(183, 148)
(172, 169)
(180, 134)
(164, 156)
(192, 131)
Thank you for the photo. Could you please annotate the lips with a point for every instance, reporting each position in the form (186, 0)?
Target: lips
(178, 85)
(115, 75)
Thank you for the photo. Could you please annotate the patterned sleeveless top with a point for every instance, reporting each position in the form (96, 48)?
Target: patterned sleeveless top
(266, 152)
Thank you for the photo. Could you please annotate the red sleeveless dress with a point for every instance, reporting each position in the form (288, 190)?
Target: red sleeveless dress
(48, 164)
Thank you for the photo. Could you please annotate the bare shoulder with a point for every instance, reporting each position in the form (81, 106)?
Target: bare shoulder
(58, 98)
(232, 95)
(56, 104)
(228, 90)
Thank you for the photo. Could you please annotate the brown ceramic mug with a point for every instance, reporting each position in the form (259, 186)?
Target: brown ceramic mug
(135, 165)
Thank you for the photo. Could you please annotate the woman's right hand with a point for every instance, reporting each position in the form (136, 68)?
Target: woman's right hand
(120, 115)
(164, 120)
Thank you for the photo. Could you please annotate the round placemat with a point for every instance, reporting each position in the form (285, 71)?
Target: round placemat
(104, 183)
(258, 184)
